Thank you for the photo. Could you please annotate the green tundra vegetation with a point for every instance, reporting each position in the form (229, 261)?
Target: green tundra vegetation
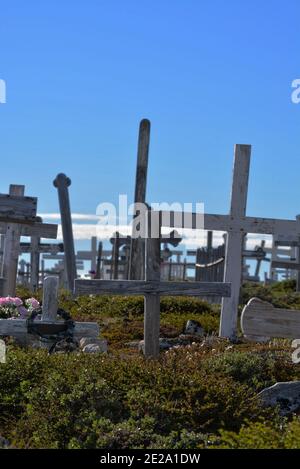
(199, 396)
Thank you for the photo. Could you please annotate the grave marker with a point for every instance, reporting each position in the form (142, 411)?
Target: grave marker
(62, 182)
(151, 288)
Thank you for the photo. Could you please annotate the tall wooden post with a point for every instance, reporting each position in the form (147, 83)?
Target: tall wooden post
(209, 255)
(62, 182)
(137, 251)
(34, 261)
(94, 251)
(234, 241)
(152, 301)
(11, 249)
(115, 255)
(99, 258)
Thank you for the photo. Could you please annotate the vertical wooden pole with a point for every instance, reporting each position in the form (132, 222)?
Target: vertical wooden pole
(152, 301)
(258, 262)
(34, 263)
(62, 182)
(94, 253)
(209, 255)
(11, 249)
(116, 249)
(99, 258)
(137, 251)
(234, 243)
(50, 298)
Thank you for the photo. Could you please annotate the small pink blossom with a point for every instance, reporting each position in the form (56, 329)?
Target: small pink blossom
(17, 301)
(33, 303)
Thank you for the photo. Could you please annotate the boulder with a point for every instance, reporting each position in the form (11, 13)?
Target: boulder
(286, 395)
(99, 345)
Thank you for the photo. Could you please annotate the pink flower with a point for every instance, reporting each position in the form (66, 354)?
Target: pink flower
(33, 303)
(3, 301)
(17, 301)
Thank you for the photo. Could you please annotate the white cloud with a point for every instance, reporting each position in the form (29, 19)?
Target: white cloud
(75, 216)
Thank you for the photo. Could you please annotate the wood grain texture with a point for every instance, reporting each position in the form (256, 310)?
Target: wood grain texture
(235, 242)
(62, 182)
(18, 327)
(11, 248)
(53, 248)
(34, 263)
(260, 318)
(137, 248)
(229, 223)
(50, 296)
(285, 265)
(17, 206)
(42, 230)
(152, 301)
(141, 287)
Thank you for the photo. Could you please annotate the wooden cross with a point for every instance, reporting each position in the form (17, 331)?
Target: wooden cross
(19, 327)
(236, 224)
(18, 218)
(137, 251)
(62, 182)
(151, 288)
(90, 255)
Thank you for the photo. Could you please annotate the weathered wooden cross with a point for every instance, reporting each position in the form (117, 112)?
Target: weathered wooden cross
(151, 288)
(48, 324)
(90, 255)
(18, 218)
(236, 224)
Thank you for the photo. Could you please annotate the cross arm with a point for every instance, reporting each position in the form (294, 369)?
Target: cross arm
(18, 328)
(229, 223)
(16, 207)
(41, 230)
(142, 287)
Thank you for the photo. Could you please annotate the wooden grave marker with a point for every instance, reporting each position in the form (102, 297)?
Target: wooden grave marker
(18, 218)
(62, 182)
(260, 319)
(151, 288)
(19, 327)
(236, 224)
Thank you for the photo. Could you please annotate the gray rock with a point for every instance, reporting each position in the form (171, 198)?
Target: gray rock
(194, 328)
(88, 340)
(286, 395)
(97, 347)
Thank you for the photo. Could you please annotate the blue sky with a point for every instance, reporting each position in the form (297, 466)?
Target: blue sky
(81, 74)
